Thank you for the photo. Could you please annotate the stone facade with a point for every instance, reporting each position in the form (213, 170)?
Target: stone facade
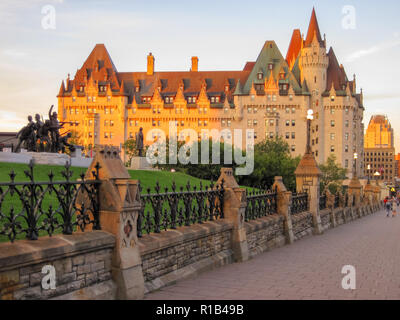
(184, 252)
(270, 95)
(82, 265)
(265, 233)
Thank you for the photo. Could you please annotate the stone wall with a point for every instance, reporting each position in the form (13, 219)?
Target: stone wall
(302, 225)
(184, 252)
(326, 219)
(265, 233)
(82, 264)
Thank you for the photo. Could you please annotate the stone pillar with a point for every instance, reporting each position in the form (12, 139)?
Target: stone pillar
(330, 203)
(308, 179)
(119, 210)
(369, 193)
(284, 199)
(234, 211)
(354, 190)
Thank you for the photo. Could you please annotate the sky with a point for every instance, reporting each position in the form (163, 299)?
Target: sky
(42, 41)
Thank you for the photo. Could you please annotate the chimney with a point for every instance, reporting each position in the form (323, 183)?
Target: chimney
(195, 64)
(150, 64)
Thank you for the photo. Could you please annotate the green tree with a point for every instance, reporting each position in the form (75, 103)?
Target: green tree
(208, 171)
(272, 158)
(332, 174)
(129, 147)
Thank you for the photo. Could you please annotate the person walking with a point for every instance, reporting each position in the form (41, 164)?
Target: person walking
(394, 206)
(387, 206)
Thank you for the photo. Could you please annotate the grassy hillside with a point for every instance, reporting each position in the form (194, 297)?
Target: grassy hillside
(148, 179)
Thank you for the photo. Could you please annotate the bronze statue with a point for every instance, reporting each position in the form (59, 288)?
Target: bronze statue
(42, 136)
(139, 141)
(26, 136)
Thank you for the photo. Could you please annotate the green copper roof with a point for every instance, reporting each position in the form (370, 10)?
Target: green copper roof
(270, 54)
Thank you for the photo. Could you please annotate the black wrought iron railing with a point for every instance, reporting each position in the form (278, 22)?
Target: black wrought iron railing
(260, 204)
(31, 208)
(322, 202)
(337, 201)
(299, 203)
(183, 207)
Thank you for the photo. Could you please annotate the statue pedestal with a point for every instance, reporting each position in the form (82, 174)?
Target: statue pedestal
(140, 163)
(58, 159)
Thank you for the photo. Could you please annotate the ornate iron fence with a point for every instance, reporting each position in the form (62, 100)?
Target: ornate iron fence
(167, 210)
(34, 207)
(299, 203)
(260, 204)
(337, 201)
(322, 202)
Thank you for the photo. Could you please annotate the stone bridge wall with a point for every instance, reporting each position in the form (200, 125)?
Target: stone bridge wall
(82, 265)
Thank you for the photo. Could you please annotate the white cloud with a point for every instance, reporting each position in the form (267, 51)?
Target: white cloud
(374, 49)
(9, 121)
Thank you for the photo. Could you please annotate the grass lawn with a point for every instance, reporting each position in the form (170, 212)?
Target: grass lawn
(148, 179)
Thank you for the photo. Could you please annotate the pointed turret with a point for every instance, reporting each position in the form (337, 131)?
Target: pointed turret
(122, 89)
(271, 84)
(296, 43)
(238, 89)
(62, 89)
(313, 30)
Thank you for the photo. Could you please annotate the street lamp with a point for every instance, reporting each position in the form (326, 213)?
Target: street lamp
(310, 117)
(368, 172)
(377, 174)
(355, 164)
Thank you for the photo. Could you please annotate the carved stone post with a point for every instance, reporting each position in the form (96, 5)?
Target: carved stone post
(330, 203)
(119, 210)
(355, 189)
(284, 202)
(234, 211)
(307, 179)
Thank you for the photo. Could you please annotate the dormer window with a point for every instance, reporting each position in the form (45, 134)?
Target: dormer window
(270, 66)
(137, 88)
(226, 87)
(81, 88)
(332, 98)
(260, 76)
(169, 99)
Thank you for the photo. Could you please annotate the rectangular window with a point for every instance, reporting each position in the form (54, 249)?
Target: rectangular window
(332, 123)
(287, 135)
(105, 123)
(332, 136)
(255, 122)
(293, 148)
(293, 123)
(111, 123)
(287, 123)
(293, 135)
(229, 123)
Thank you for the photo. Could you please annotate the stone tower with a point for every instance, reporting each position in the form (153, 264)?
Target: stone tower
(314, 65)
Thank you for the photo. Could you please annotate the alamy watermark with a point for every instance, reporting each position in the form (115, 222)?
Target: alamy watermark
(349, 18)
(188, 152)
(49, 17)
(49, 280)
(349, 280)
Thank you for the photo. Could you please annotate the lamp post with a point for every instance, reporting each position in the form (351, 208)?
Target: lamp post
(310, 117)
(368, 172)
(376, 174)
(355, 165)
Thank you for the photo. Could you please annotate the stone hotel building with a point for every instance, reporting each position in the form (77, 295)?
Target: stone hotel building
(270, 95)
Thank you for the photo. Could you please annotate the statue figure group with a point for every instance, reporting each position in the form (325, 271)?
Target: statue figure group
(44, 136)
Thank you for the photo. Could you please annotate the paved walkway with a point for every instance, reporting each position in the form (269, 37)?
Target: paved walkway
(309, 269)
